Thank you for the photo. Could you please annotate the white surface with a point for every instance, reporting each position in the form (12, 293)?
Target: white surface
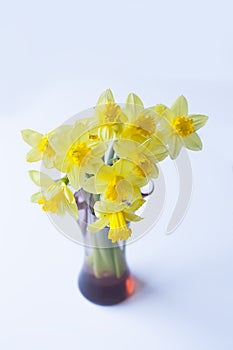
(56, 59)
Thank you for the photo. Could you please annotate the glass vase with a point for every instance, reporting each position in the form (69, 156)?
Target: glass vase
(105, 278)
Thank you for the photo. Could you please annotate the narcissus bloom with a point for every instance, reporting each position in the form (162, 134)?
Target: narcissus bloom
(41, 148)
(116, 217)
(77, 152)
(119, 182)
(109, 116)
(54, 197)
(179, 127)
(144, 156)
(108, 157)
(141, 123)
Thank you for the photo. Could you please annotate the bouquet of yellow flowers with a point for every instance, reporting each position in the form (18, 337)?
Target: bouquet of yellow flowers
(108, 157)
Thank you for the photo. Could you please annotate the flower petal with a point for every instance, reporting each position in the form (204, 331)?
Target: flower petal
(78, 132)
(98, 225)
(133, 106)
(193, 142)
(60, 140)
(155, 147)
(31, 137)
(132, 217)
(175, 145)
(68, 193)
(154, 171)
(93, 162)
(133, 99)
(48, 162)
(123, 167)
(160, 109)
(199, 120)
(73, 176)
(134, 206)
(180, 106)
(104, 174)
(92, 186)
(125, 190)
(124, 148)
(35, 197)
(40, 179)
(51, 191)
(34, 155)
(119, 233)
(102, 207)
(105, 97)
(99, 150)
(72, 209)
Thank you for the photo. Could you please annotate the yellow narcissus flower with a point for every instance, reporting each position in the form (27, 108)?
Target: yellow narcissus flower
(109, 116)
(144, 156)
(77, 152)
(179, 127)
(119, 182)
(141, 123)
(116, 217)
(41, 148)
(55, 196)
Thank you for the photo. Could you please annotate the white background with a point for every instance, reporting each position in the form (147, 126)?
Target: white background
(56, 58)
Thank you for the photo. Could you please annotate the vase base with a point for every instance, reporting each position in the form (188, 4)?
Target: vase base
(106, 290)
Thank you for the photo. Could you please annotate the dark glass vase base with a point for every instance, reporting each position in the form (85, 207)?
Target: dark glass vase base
(106, 290)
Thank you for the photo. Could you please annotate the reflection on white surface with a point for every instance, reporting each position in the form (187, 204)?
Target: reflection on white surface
(55, 63)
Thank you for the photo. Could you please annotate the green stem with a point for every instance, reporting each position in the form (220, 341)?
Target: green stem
(105, 250)
(105, 257)
(65, 180)
(119, 259)
(97, 263)
(111, 153)
(117, 266)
